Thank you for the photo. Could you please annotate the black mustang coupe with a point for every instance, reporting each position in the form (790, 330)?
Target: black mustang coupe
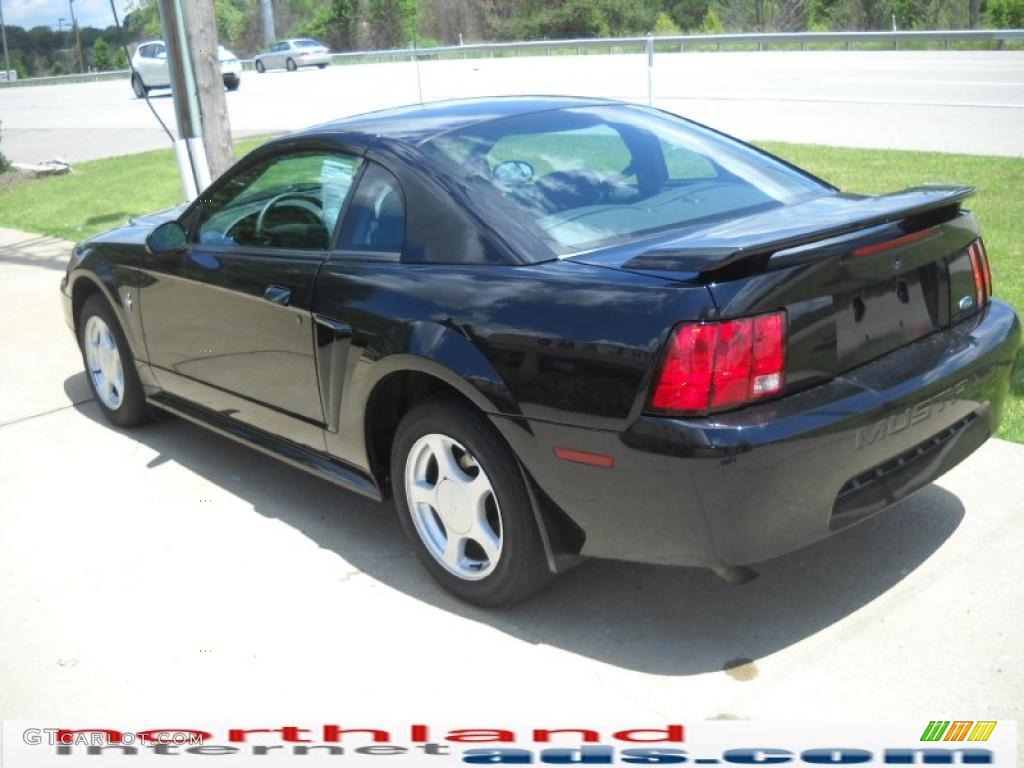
(556, 327)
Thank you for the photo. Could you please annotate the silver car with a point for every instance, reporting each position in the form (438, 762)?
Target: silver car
(149, 68)
(292, 54)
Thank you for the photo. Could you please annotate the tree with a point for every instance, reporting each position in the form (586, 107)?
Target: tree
(101, 60)
(711, 24)
(1006, 14)
(688, 14)
(336, 24)
(665, 26)
(392, 23)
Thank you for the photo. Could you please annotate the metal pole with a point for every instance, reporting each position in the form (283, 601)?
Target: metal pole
(650, 69)
(416, 64)
(3, 34)
(187, 149)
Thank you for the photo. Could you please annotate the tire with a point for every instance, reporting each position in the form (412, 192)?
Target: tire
(233, 83)
(290, 65)
(105, 352)
(259, 67)
(451, 500)
(139, 87)
(321, 66)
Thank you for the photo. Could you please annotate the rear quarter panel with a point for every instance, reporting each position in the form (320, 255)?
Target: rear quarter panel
(557, 342)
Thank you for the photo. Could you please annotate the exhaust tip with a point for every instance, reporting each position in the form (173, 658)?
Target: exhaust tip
(735, 575)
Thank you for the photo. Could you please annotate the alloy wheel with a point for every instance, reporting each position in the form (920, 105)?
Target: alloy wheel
(453, 507)
(103, 360)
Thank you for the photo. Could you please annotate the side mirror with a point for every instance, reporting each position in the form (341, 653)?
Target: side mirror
(168, 238)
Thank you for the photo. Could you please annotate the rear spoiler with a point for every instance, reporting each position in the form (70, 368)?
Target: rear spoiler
(780, 229)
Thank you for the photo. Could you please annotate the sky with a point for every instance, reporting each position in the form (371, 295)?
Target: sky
(34, 13)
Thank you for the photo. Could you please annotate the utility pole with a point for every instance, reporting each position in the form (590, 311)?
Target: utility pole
(201, 24)
(267, 14)
(3, 34)
(78, 37)
(188, 147)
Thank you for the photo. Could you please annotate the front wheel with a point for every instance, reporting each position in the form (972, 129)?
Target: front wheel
(463, 503)
(232, 83)
(291, 65)
(139, 87)
(109, 365)
(321, 66)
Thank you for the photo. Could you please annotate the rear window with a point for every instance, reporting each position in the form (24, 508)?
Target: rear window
(307, 44)
(587, 177)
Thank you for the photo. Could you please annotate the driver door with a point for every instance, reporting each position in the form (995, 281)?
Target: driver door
(228, 323)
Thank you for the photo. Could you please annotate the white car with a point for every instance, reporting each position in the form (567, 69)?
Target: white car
(149, 63)
(292, 54)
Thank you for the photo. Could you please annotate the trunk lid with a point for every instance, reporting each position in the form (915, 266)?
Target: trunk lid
(857, 276)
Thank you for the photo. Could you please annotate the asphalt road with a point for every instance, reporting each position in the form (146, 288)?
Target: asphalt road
(167, 572)
(970, 102)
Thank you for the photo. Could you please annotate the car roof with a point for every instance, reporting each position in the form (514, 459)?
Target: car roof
(417, 123)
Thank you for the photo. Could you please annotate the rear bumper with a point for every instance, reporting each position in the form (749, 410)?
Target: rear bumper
(742, 487)
(315, 59)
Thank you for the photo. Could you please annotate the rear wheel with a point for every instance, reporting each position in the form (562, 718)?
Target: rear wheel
(232, 83)
(321, 66)
(259, 67)
(138, 86)
(109, 365)
(464, 505)
(291, 65)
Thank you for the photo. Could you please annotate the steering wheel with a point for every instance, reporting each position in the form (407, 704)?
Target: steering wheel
(300, 200)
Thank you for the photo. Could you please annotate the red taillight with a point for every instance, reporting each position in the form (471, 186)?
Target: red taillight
(769, 355)
(722, 365)
(985, 268)
(685, 380)
(980, 269)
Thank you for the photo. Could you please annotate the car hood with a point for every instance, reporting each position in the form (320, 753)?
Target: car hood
(135, 231)
(152, 220)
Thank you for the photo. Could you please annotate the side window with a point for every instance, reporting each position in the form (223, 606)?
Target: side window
(288, 201)
(146, 51)
(685, 165)
(375, 221)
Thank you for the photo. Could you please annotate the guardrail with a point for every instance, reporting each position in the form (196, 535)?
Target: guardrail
(647, 44)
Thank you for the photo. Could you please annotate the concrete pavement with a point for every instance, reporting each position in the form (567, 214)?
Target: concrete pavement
(167, 572)
(947, 101)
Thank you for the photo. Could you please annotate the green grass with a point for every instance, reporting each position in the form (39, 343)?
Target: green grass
(102, 194)
(99, 195)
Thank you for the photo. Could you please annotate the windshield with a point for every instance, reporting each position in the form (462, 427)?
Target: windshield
(591, 176)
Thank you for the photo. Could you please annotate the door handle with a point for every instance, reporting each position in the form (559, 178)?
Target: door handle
(278, 294)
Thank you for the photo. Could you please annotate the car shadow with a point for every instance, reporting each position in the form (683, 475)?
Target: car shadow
(658, 620)
(27, 253)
